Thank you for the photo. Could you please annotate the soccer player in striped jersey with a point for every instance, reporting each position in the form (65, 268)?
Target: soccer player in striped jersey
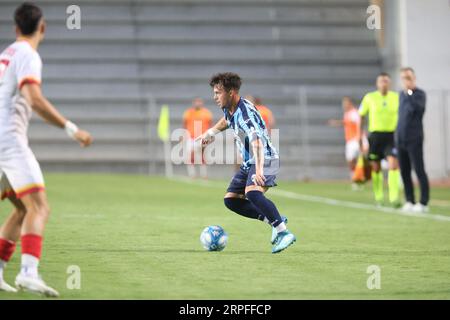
(21, 179)
(245, 194)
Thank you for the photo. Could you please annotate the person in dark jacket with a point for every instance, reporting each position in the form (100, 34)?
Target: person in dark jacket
(409, 136)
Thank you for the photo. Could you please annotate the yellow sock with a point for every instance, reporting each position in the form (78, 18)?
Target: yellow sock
(394, 185)
(377, 184)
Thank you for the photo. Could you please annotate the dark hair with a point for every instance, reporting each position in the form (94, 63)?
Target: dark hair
(347, 98)
(384, 74)
(228, 80)
(27, 17)
(407, 69)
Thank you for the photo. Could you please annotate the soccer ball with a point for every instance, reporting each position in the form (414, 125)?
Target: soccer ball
(214, 238)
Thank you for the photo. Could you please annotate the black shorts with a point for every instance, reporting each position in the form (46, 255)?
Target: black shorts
(244, 177)
(381, 145)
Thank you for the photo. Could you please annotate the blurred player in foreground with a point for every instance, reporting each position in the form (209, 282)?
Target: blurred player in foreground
(21, 177)
(351, 122)
(260, 165)
(196, 120)
(381, 108)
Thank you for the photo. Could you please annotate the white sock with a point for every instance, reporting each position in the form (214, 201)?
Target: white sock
(29, 265)
(203, 171)
(191, 170)
(2, 266)
(281, 227)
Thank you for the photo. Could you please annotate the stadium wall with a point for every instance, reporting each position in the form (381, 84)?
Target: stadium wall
(417, 36)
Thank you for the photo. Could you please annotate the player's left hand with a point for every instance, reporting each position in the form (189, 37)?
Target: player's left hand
(361, 145)
(260, 179)
(84, 138)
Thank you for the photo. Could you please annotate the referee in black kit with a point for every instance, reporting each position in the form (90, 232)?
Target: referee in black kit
(409, 137)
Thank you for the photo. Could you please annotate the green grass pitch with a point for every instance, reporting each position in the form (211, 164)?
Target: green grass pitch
(137, 237)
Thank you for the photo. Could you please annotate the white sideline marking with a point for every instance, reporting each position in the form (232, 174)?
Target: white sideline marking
(357, 205)
(328, 201)
(440, 203)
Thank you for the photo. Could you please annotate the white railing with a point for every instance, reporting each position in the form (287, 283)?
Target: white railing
(152, 117)
(437, 134)
(304, 132)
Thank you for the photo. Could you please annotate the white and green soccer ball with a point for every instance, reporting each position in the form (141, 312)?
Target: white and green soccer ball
(214, 238)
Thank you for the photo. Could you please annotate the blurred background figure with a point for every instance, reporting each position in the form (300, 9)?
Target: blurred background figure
(409, 137)
(351, 122)
(381, 109)
(266, 113)
(196, 120)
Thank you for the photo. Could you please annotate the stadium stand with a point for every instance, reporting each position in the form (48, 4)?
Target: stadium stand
(130, 53)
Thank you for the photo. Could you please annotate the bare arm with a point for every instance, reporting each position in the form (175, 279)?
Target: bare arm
(221, 125)
(208, 136)
(258, 153)
(42, 106)
(361, 131)
(33, 94)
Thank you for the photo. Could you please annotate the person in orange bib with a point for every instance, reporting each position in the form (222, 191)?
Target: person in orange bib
(266, 114)
(196, 120)
(351, 122)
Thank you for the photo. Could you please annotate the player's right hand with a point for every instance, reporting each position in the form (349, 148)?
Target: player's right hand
(84, 138)
(259, 179)
(205, 138)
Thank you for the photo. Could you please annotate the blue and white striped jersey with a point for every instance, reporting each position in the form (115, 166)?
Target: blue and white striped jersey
(247, 119)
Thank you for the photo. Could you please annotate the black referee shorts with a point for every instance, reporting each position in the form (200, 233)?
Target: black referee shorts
(381, 145)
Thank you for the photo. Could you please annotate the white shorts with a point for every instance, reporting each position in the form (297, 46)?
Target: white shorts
(194, 152)
(20, 173)
(351, 150)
